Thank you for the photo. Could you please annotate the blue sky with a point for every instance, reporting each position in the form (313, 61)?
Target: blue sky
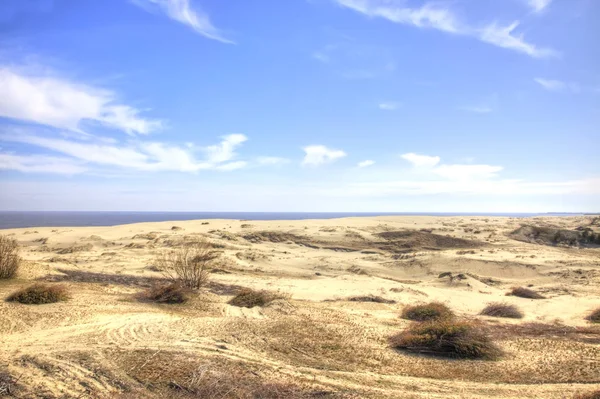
(300, 105)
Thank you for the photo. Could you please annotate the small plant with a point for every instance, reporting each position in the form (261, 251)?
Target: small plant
(501, 309)
(249, 298)
(457, 339)
(170, 293)
(428, 311)
(370, 298)
(594, 317)
(39, 294)
(188, 265)
(523, 292)
(9, 257)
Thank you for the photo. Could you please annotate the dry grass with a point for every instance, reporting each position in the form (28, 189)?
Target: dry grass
(588, 395)
(523, 292)
(426, 312)
(370, 298)
(447, 338)
(594, 317)
(170, 293)
(8, 384)
(590, 335)
(501, 309)
(188, 265)
(9, 257)
(39, 294)
(249, 298)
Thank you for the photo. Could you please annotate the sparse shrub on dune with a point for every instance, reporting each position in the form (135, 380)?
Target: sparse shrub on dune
(588, 395)
(188, 265)
(170, 293)
(9, 257)
(501, 309)
(249, 298)
(594, 317)
(523, 292)
(426, 312)
(370, 298)
(39, 294)
(448, 338)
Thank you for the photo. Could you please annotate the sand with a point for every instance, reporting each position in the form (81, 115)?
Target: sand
(103, 341)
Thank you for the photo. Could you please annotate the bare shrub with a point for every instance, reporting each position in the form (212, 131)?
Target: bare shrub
(428, 311)
(594, 317)
(39, 294)
(170, 293)
(8, 383)
(523, 292)
(501, 309)
(370, 298)
(9, 257)
(188, 265)
(457, 339)
(249, 298)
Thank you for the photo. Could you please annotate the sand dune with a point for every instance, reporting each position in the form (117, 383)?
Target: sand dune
(103, 342)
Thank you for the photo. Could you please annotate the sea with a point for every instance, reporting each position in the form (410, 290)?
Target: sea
(20, 219)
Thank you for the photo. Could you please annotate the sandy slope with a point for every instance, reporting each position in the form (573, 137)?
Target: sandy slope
(85, 347)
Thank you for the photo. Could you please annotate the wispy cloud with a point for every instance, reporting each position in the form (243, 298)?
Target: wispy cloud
(366, 163)
(181, 11)
(40, 164)
(316, 155)
(558, 85)
(389, 105)
(444, 19)
(478, 109)
(65, 104)
(79, 156)
(418, 160)
(538, 5)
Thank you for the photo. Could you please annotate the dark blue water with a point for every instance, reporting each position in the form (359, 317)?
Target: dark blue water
(9, 220)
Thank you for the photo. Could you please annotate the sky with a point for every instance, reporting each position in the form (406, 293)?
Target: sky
(300, 105)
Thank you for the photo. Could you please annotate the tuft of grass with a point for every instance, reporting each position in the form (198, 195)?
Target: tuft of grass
(447, 338)
(428, 311)
(9, 257)
(370, 298)
(170, 293)
(249, 298)
(588, 395)
(594, 317)
(39, 294)
(501, 309)
(523, 292)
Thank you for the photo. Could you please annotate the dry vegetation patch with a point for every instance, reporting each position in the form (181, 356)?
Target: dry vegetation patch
(9, 257)
(501, 309)
(523, 292)
(370, 298)
(249, 298)
(170, 293)
(594, 317)
(39, 294)
(590, 335)
(447, 338)
(588, 395)
(188, 265)
(426, 312)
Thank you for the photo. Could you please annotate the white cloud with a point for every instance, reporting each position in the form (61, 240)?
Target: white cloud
(421, 160)
(64, 104)
(538, 5)
(502, 36)
(558, 85)
(389, 105)
(40, 164)
(316, 155)
(443, 19)
(478, 109)
(467, 172)
(366, 163)
(140, 156)
(181, 11)
(272, 161)
(225, 150)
